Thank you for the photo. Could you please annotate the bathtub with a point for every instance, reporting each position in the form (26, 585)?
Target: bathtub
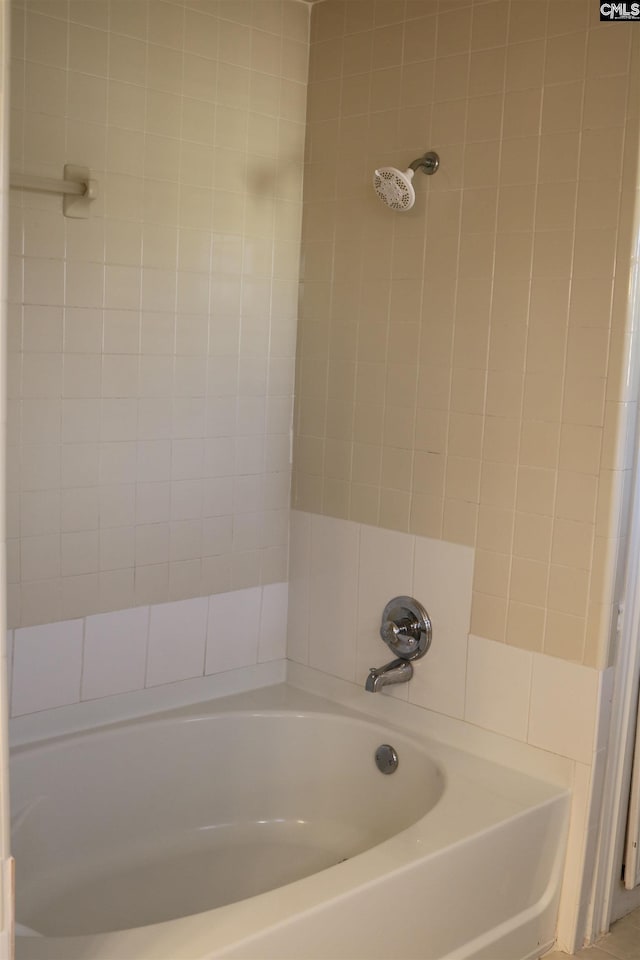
(259, 826)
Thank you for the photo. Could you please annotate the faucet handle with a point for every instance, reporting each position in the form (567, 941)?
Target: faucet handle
(406, 628)
(394, 633)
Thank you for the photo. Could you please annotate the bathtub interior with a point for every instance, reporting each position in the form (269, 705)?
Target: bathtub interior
(163, 818)
(464, 862)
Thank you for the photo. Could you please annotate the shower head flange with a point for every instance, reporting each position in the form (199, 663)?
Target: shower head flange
(428, 163)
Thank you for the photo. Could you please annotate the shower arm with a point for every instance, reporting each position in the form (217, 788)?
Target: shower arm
(428, 163)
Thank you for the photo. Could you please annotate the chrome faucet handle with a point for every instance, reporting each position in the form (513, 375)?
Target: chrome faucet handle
(406, 628)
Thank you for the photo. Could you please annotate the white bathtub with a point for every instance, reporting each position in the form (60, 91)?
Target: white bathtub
(258, 826)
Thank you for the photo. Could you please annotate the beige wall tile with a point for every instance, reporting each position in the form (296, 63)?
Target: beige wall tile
(528, 21)
(460, 522)
(572, 543)
(491, 573)
(565, 636)
(489, 617)
(426, 517)
(495, 529)
(525, 626)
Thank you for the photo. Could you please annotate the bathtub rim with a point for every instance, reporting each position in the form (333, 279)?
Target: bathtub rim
(388, 707)
(123, 707)
(284, 700)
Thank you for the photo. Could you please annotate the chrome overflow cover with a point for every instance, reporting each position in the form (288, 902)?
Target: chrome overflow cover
(386, 758)
(406, 628)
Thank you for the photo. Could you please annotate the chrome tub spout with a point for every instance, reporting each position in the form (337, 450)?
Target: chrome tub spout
(397, 671)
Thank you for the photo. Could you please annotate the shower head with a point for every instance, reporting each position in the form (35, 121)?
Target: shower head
(395, 188)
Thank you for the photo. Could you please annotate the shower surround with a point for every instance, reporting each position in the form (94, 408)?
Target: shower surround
(464, 414)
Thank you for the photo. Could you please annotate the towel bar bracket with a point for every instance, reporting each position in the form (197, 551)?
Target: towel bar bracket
(77, 189)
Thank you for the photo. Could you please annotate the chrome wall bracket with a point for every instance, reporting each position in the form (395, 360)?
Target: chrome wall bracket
(428, 163)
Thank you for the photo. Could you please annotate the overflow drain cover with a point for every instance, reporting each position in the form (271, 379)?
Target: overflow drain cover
(386, 758)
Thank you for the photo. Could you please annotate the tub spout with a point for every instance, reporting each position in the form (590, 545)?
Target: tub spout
(397, 671)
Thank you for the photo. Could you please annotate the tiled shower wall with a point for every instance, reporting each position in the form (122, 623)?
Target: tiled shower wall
(460, 372)
(151, 347)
